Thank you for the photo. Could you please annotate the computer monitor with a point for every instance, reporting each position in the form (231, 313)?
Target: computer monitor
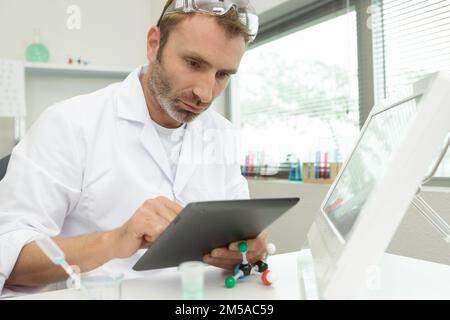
(376, 185)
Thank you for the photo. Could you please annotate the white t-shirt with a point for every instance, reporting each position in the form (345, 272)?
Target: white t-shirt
(172, 140)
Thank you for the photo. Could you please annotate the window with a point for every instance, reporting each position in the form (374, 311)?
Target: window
(312, 78)
(298, 93)
(411, 40)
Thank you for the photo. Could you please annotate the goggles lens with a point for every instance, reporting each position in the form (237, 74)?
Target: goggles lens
(247, 13)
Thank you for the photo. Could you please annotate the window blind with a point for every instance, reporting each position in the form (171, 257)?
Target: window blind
(411, 39)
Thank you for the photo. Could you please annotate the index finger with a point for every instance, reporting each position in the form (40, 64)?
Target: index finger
(175, 207)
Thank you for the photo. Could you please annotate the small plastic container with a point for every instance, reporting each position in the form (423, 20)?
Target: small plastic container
(101, 285)
(192, 280)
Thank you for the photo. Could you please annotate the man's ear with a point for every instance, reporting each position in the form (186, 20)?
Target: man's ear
(153, 41)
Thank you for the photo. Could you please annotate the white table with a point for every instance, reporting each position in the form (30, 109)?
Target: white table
(401, 278)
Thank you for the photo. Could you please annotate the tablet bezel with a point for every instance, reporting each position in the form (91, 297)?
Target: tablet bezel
(204, 226)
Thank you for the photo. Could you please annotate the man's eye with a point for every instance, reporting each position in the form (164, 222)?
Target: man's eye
(223, 75)
(193, 64)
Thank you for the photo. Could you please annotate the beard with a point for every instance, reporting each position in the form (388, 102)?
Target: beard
(168, 99)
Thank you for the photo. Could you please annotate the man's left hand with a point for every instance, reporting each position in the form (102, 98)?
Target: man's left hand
(228, 258)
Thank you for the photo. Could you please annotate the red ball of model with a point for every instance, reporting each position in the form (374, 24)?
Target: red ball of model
(268, 277)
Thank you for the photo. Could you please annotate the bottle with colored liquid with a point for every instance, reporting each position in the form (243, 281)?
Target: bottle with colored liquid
(295, 173)
(37, 52)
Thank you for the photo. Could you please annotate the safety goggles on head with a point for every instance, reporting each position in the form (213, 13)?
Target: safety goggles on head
(247, 13)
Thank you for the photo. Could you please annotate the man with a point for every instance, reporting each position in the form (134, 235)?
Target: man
(104, 174)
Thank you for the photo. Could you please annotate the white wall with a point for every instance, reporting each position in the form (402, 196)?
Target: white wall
(113, 32)
(289, 232)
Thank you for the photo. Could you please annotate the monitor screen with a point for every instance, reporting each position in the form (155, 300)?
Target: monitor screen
(383, 133)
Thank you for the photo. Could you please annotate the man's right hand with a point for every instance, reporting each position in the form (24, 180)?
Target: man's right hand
(90, 251)
(144, 227)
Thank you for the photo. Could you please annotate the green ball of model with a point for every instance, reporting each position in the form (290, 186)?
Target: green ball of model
(243, 247)
(230, 282)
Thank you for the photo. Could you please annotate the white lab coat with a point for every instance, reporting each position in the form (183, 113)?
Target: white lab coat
(90, 162)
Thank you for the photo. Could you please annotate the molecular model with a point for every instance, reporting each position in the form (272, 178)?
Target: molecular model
(245, 269)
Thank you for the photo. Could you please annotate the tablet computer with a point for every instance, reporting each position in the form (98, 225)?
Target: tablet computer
(203, 226)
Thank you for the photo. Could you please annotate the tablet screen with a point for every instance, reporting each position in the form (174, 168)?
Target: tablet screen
(368, 163)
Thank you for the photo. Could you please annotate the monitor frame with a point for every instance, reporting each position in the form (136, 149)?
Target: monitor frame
(344, 267)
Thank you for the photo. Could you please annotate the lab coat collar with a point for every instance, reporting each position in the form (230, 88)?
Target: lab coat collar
(131, 106)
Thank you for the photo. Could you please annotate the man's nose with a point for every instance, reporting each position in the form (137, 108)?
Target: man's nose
(204, 89)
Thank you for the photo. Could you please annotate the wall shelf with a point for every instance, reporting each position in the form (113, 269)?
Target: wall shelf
(76, 70)
(82, 72)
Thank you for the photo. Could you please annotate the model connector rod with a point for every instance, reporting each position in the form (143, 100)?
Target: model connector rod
(245, 269)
